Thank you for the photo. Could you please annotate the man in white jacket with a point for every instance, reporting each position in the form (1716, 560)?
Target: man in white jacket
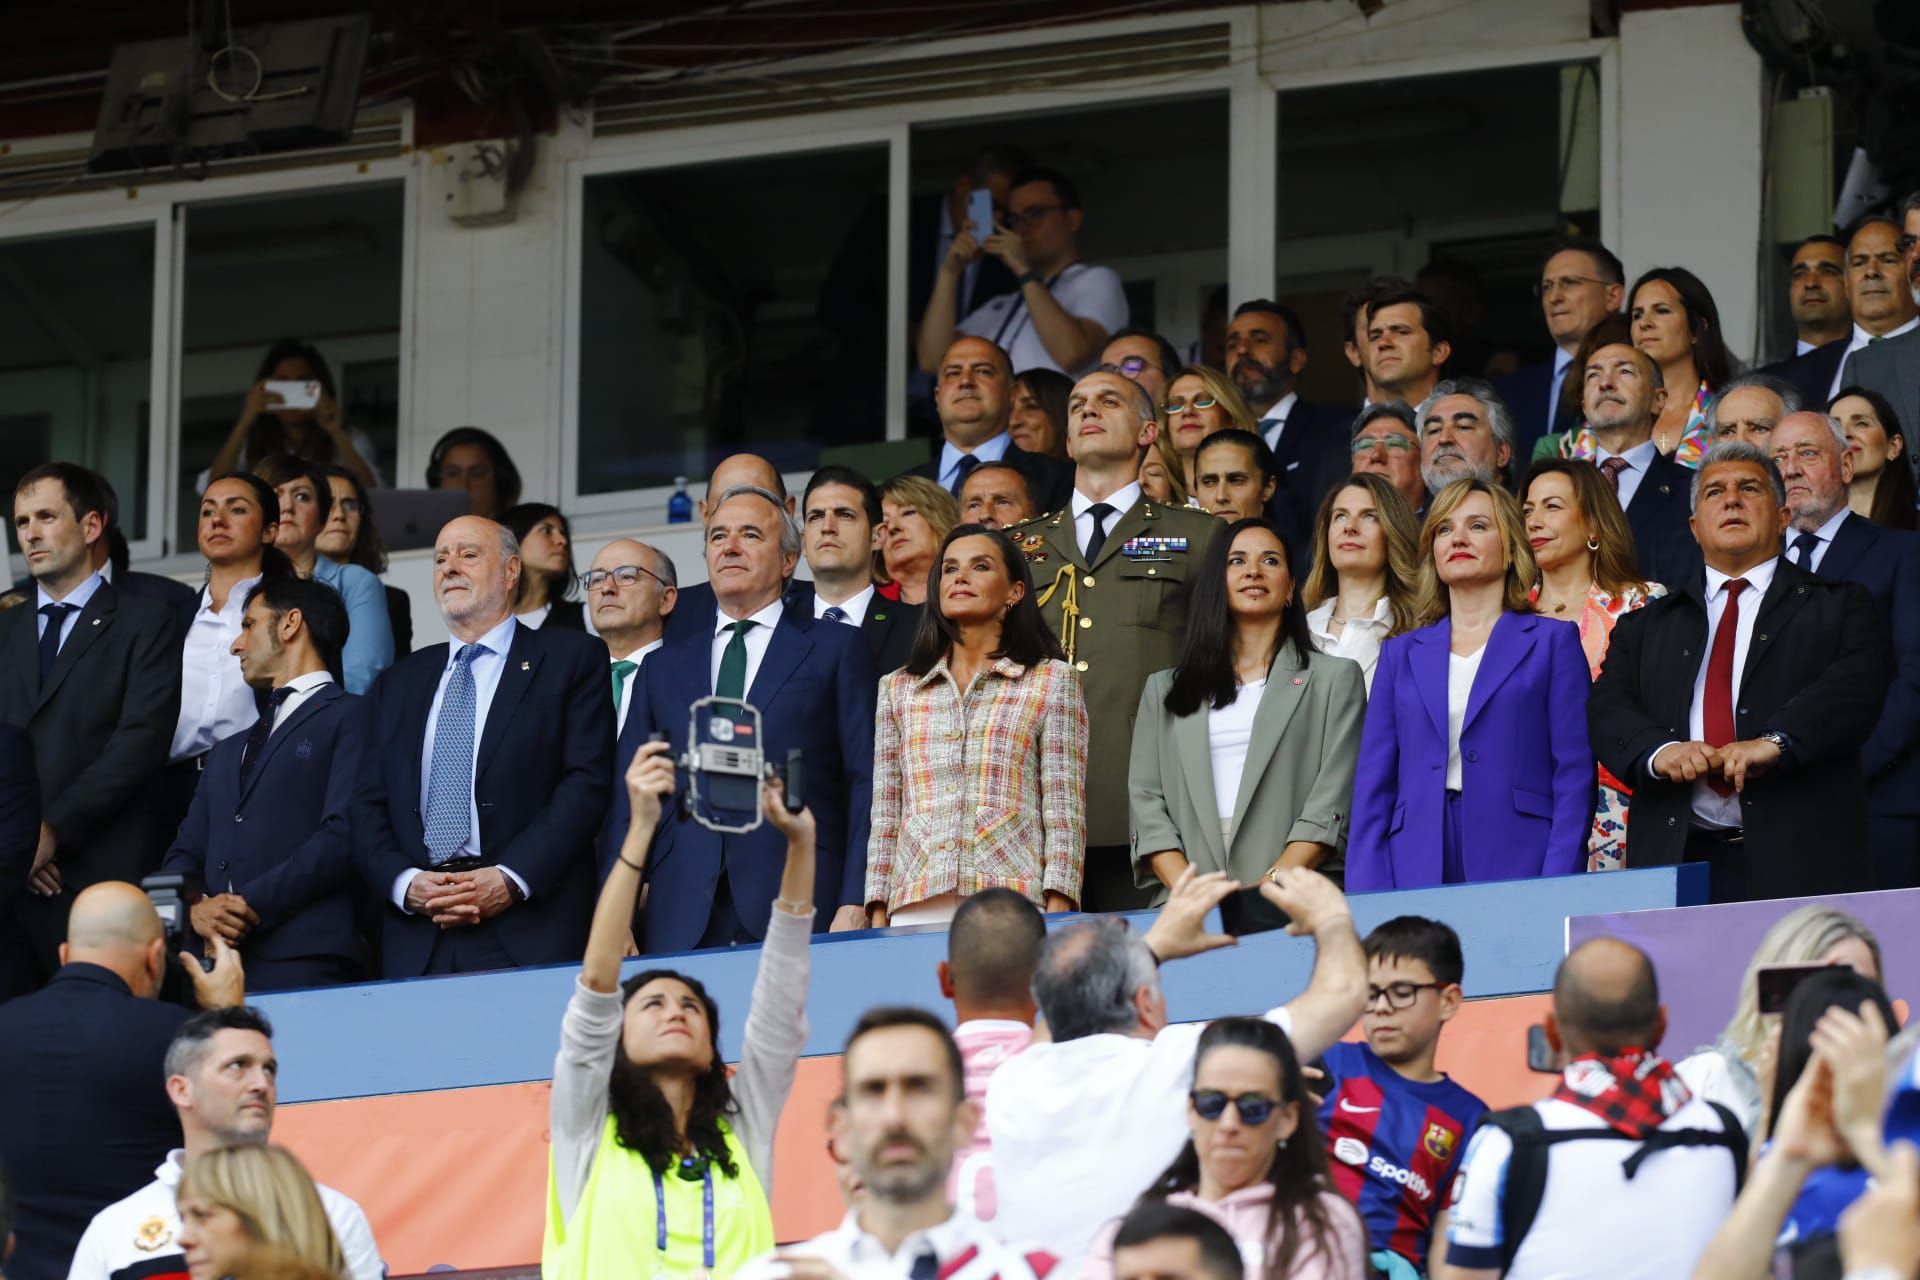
(221, 1076)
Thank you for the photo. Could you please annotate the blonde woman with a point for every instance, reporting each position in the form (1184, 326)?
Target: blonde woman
(250, 1211)
(1199, 402)
(1474, 764)
(1366, 564)
(916, 515)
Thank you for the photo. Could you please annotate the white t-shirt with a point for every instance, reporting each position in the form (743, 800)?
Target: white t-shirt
(1055, 1115)
(1593, 1221)
(1084, 292)
(1229, 733)
(1460, 674)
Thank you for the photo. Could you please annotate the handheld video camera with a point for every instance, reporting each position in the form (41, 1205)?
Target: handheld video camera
(726, 762)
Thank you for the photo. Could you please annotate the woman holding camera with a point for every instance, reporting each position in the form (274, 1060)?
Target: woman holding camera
(292, 408)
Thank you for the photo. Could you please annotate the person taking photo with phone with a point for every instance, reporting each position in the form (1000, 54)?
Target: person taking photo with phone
(293, 408)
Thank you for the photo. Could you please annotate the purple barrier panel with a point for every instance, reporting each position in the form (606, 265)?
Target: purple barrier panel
(1701, 953)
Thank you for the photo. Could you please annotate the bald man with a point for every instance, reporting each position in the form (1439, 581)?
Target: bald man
(694, 614)
(632, 589)
(84, 1116)
(487, 776)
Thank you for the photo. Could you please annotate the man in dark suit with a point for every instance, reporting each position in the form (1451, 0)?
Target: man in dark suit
(693, 614)
(1830, 541)
(111, 556)
(1822, 318)
(267, 845)
(813, 683)
(1735, 706)
(632, 592)
(1311, 444)
(1581, 284)
(93, 675)
(486, 778)
(1891, 366)
(84, 1117)
(1623, 398)
(973, 394)
(840, 512)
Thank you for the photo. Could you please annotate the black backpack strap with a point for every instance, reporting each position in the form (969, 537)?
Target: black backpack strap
(1736, 1143)
(1526, 1180)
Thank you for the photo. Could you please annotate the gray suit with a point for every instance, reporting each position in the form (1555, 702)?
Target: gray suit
(1297, 783)
(1893, 369)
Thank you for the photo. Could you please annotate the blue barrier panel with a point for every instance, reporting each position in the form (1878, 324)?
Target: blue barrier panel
(503, 1028)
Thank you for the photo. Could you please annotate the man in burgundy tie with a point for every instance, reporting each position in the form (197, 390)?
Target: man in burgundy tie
(1622, 394)
(1738, 703)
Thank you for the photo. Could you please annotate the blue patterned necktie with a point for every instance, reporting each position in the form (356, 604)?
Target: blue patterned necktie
(834, 613)
(449, 816)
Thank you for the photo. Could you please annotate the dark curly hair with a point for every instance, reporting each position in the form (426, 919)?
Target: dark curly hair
(643, 1122)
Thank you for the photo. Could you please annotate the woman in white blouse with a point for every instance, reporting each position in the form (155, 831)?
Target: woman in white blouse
(1366, 562)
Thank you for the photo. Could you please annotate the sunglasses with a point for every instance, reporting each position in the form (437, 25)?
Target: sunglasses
(1211, 1104)
(1180, 406)
(1130, 367)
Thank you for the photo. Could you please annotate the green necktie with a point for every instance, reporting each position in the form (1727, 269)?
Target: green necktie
(733, 663)
(621, 670)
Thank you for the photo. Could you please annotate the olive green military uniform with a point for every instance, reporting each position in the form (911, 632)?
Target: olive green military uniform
(1120, 620)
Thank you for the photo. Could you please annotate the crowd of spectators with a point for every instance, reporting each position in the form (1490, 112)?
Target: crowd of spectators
(1139, 632)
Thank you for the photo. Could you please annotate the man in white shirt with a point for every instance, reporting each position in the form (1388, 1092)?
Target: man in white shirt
(1266, 351)
(839, 533)
(1408, 343)
(1581, 283)
(974, 398)
(1082, 1124)
(1623, 395)
(1817, 293)
(631, 590)
(906, 1114)
(221, 1078)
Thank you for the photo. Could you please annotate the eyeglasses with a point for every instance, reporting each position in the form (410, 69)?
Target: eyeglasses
(1130, 367)
(1565, 284)
(625, 575)
(1018, 218)
(1392, 444)
(1180, 406)
(1400, 995)
(1211, 1104)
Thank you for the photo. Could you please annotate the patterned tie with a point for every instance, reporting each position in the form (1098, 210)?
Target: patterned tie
(1099, 511)
(449, 816)
(835, 613)
(1611, 469)
(56, 616)
(1803, 548)
(964, 469)
(1717, 716)
(621, 670)
(261, 731)
(1267, 425)
(733, 662)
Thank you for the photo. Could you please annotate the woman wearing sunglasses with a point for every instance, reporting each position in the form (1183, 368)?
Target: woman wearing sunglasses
(1199, 402)
(1255, 1162)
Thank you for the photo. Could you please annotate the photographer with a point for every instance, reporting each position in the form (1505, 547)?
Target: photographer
(270, 423)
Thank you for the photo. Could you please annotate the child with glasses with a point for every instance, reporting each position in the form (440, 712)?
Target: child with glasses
(1395, 1125)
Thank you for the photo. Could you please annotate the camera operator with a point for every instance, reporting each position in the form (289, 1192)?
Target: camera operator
(85, 1106)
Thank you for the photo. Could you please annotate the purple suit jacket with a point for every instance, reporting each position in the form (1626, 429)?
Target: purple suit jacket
(1527, 768)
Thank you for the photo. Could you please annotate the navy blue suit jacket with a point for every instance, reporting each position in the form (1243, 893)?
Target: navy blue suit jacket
(1663, 543)
(1887, 563)
(1812, 373)
(283, 840)
(815, 690)
(84, 1118)
(544, 769)
(1525, 392)
(19, 816)
(1315, 453)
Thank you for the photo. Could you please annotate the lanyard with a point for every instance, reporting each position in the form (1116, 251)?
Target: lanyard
(1020, 312)
(706, 1225)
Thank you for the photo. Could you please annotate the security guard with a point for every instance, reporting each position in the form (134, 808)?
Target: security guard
(1113, 572)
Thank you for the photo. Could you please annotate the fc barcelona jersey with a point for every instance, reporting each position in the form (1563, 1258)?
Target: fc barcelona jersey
(1394, 1144)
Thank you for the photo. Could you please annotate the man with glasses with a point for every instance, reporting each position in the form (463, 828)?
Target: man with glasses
(1386, 441)
(1064, 310)
(1143, 355)
(1893, 367)
(631, 589)
(1581, 283)
(1266, 350)
(1395, 1125)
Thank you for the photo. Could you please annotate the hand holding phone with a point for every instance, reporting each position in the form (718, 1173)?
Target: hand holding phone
(294, 395)
(980, 213)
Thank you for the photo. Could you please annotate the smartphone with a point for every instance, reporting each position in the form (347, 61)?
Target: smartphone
(1778, 981)
(1244, 911)
(980, 213)
(295, 395)
(1540, 1054)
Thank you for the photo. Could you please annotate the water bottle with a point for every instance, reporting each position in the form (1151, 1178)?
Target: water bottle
(680, 506)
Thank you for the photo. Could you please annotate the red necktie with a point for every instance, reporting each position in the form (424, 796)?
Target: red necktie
(1717, 717)
(1611, 469)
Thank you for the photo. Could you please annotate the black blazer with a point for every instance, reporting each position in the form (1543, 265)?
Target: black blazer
(544, 769)
(1049, 479)
(101, 728)
(1816, 670)
(1525, 393)
(84, 1118)
(400, 618)
(1315, 453)
(1663, 543)
(19, 819)
(180, 599)
(283, 840)
(1887, 563)
(889, 626)
(568, 615)
(1812, 373)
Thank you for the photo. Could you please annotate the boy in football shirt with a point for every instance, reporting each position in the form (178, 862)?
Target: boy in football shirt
(1395, 1127)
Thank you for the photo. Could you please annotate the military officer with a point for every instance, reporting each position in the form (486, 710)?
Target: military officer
(1113, 572)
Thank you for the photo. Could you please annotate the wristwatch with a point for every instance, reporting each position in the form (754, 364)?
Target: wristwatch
(1030, 276)
(1777, 738)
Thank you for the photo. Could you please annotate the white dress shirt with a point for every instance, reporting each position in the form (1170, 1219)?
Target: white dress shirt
(1277, 413)
(639, 657)
(1121, 501)
(77, 597)
(1360, 638)
(1638, 459)
(1859, 342)
(986, 451)
(215, 702)
(304, 687)
(1710, 808)
(486, 667)
(758, 638)
(534, 619)
(854, 606)
(854, 1254)
(1825, 533)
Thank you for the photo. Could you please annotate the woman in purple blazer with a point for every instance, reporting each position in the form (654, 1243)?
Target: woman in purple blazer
(1475, 763)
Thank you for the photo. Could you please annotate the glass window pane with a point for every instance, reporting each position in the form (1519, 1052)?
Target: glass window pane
(321, 267)
(740, 304)
(76, 347)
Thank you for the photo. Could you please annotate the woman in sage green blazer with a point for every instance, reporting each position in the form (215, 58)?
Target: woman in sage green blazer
(1244, 754)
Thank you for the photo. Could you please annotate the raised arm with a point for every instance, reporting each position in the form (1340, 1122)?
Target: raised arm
(649, 781)
(1336, 994)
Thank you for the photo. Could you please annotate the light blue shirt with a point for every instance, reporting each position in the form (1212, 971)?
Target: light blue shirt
(1561, 360)
(1638, 459)
(77, 597)
(369, 647)
(987, 451)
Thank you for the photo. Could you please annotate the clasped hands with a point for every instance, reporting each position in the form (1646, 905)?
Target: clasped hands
(1698, 762)
(453, 899)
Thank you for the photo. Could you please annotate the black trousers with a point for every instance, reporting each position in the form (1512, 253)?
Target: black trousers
(1894, 840)
(470, 949)
(299, 972)
(1725, 854)
(1106, 881)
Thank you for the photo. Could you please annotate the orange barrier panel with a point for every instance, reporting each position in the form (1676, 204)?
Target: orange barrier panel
(458, 1177)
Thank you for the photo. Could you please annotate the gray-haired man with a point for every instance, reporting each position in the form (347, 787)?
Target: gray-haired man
(1465, 431)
